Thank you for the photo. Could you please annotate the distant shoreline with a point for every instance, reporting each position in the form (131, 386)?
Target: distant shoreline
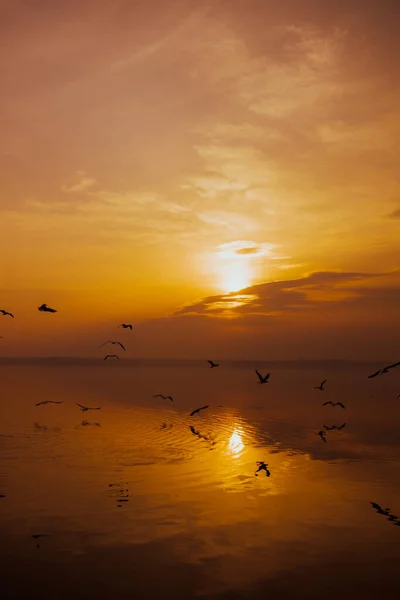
(64, 361)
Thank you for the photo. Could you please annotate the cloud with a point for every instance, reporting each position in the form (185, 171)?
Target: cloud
(317, 292)
(83, 184)
(395, 214)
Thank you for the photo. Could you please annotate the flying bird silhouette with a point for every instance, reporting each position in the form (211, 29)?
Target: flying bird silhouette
(86, 408)
(163, 397)
(332, 427)
(48, 402)
(111, 342)
(111, 356)
(398, 396)
(125, 326)
(45, 308)
(198, 410)
(334, 404)
(5, 313)
(322, 436)
(262, 379)
(262, 467)
(212, 364)
(321, 385)
(380, 510)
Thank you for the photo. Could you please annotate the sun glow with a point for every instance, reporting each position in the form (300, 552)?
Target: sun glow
(235, 276)
(235, 443)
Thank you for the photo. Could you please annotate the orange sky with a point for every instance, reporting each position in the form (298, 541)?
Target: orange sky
(158, 155)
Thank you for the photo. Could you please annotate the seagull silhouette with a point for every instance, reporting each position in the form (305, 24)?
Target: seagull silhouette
(321, 385)
(332, 427)
(212, 364)
(322, 436)
(262, 379)
(198, 410)
(48, 402)
(111, 342)
(334, 404)
(262, 467)
(111, 356)
(125, 326)
(45, 308)
(86, 408)
(380, 510)
(163, 397)
(5, 313)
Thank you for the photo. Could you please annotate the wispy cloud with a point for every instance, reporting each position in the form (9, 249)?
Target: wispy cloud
(83, 183)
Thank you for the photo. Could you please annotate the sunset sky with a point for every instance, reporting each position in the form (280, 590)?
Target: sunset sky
(222, 174)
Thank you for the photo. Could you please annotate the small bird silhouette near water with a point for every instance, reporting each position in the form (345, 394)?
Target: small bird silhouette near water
(164, 397)
(111, 342)
(111, 356)
(212, 364)
(48, 402)
(198, 410)
(380, 510)
(5, 313)
(45, 308)
(262, 379)
(85, 408)
(125, 326)
(321, 385)
(334, 404)
(322, 436)
(262, 467)
(332, 427)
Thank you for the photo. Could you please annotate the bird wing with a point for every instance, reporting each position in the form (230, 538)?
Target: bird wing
(323, 382)
(210, 362)
(340, 404)
(393, 365)
(260, 377)
(374, 374)
(341, 426)
(158, 396)
(122, 346)
(107, 342)
(325, 403)
(169, 398)
(130, 327)
(194, 412)
(81, 405)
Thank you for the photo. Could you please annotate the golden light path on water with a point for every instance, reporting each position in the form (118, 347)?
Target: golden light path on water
(236, 444)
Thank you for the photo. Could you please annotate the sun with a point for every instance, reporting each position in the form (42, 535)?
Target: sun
(235, 275)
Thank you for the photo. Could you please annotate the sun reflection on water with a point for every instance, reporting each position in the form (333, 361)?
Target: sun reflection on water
(236, 443)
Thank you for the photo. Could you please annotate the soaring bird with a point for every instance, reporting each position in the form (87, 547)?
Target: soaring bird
(212, 364)
(111, 342)
(48, 402)
(198, 410)
(163, 397)
(262, 467)
(5, 313)
(262, 379)
(380, 510)
(45, 308)
(332, 427)
(322, 436)
(86, 408)
(125, 326)
(398, 396)
(111, 356)
(321, 385)
(334, 404)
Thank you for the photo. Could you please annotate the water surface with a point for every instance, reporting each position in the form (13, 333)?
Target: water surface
(187, 517)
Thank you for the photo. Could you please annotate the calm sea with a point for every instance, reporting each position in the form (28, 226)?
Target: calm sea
(140, 500)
